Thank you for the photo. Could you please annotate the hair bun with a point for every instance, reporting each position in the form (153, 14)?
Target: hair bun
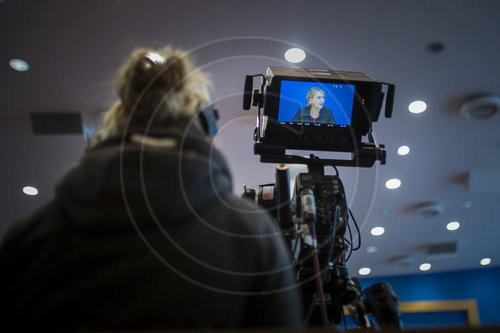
(149, 77)
(156, 88)
(173, 72)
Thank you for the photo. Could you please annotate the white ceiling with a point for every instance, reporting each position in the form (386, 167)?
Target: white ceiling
(74, 49)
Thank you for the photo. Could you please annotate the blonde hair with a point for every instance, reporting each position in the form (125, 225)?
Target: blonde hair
(313, 92)
(160, 84)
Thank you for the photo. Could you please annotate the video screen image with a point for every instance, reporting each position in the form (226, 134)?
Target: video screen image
(316, 103)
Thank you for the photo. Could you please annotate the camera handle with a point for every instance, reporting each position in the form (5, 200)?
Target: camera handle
(257, 96)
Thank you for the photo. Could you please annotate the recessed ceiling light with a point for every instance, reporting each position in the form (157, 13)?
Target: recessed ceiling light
(393, 183)
(364, 271)
(19, 65)
(371, 249)
(453, 225)
(417, 107)
(403, 150)
(435, 47)
(30, 190)
(377, 231)
(485, 261)
(295, 55)
(425, 267)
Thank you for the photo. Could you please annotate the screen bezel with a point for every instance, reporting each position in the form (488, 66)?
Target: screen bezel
(366, 106)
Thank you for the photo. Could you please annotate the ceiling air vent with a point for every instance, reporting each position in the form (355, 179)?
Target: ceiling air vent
(55, 123)
(403, 260)
(441, 250)
(479, 107)
(428, 209)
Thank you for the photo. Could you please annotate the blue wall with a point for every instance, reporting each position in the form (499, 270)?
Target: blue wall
(483, 285)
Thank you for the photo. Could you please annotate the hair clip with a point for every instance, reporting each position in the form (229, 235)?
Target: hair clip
(154, 59)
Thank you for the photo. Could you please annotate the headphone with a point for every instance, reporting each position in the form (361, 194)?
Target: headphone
(208, 117)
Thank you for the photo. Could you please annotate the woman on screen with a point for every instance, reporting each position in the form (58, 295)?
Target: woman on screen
(314, 112)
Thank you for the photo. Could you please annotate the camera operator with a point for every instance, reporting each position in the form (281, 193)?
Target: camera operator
(144, 232)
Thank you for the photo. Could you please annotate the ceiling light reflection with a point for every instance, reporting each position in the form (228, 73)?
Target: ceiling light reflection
(393, 183)
(453, 225)
(19, 65)
(485, 261)
(295, 55)
(417, 107)
(30, 190)
(425, 267)
(377, 231)
(403, 150)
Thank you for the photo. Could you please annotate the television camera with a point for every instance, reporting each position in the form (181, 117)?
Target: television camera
(320, 110)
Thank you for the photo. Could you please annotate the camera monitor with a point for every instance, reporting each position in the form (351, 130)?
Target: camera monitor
(320, 109)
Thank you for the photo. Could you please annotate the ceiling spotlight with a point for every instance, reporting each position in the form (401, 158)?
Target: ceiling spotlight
(19, 65)
(485, 261)
(453, 225)
(403, 150)
(30, 190)
(371, 249)
(393, 183)
(425, 267)
(377, 231)
(364, 271)
(417, 107)
(295, 55)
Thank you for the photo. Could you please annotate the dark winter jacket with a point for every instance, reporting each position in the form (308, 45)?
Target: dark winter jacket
(147, 235)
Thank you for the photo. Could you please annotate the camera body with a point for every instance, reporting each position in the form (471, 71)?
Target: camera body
(319, 110)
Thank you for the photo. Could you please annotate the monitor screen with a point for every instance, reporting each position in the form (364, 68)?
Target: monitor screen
(315, 103)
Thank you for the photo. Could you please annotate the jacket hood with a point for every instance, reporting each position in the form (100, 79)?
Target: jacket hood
(162, 177)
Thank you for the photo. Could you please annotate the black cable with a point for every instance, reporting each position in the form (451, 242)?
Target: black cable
(299, 239)
(350, 243)
(357, 229)
(350, 234)
(333, 233)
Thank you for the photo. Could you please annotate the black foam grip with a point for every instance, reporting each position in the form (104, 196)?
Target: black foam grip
(247, 92)
(283, 197)
(389, 101)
